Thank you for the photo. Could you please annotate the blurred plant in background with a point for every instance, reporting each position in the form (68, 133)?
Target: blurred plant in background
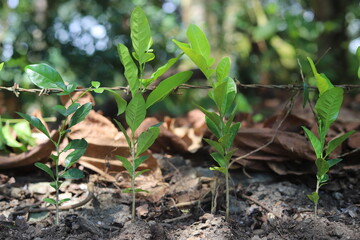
(263, 37)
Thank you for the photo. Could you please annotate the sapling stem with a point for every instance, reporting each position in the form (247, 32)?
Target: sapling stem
(227, 193)
(133, 177)
(317, 192)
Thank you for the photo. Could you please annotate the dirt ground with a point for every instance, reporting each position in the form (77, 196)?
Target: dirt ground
(263, 206)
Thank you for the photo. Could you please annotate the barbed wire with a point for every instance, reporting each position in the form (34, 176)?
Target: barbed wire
(16, 89)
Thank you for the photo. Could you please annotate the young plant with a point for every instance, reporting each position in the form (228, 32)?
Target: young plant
(327, 109)
(46, 77)
(135, 111)
(223, 93)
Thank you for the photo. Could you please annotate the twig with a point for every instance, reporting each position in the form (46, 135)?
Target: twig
(177, 218)
(90, 187)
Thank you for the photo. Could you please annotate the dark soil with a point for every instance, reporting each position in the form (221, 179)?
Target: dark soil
(263, 207)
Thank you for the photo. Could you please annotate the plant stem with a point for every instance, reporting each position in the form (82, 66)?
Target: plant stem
(317, 192)
(227, 193)
(133, 177)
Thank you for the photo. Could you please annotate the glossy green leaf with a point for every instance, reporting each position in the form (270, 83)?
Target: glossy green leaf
(64, 200)
(79, 146)
(217, 146)
(166, 86)
(161, 70)
(95, 84)
(67, 111)
(50, 200)
(220, 96)
(197, 59)
(223, 69)
(213, 127)
(146, 139)
(314, 197)
(199, 42)
(44, 76)
(135, 112)
(333, 162)
(131, 70)
(45, 168)
(120, 102)
(220, 169)
(23, 132)
(335, 142)
(322, 167)
(99, 90)
(69, 89)
(140, 34)
(139, 161)
(141, 172)
(80, 114)
(211, 115)
(73, 173)
(126, 164)
(322, 83)
(229, 155)
(219, 158)
(323, 180)
(123, 130)
(234, 129)
(56, 184)
(10, 140)
(35, 122)
(315, 142)
(328, 105)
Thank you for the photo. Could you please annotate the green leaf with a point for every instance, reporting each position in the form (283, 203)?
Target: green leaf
(322, 83)
(99, 90)
(305, 94)
(67, 111)
(137, 190)
(135, 112)
(124, 132)
(315, 142)
(220, 169)
(333, 162)
(199, 42)
(335, 142)
(166, 86)
(80, 114)
(44, 76)
(73, 173)
(328, 105)
(220, 97)
(64, 200)
(50, 200)
(146, 139)
(140, 160)
(323, 180)
(197, 59)
(217, 146)
(322, 167)
(229, 155)
(45, 168)
(9, 139)
(126, 164)
(140, 34)
(141, 172)
(222, 69)
(224, 94)
(161, 70)
(120, 102)
(211, 115)
(79, 146)
(233, 131)
(314, 197)
(23, 132)
(69, 89)
(1, 66)
(95, 84)
(213, 127)
(56, 184)
(35, 122)
(219, 158)
(131, 71)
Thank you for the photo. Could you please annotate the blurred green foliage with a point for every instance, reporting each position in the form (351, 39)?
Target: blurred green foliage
(264, 38)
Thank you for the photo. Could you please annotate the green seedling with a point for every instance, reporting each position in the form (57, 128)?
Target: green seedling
(223, 93)
(135, 111)
(46, 77)
(327, 109)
